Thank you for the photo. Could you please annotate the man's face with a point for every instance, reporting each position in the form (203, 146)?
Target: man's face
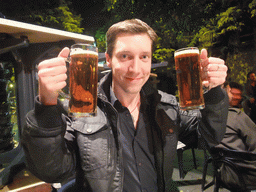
(130, 62)
(252, 77)
(235, 96)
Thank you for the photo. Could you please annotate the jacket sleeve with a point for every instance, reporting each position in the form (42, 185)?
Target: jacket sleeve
(48, 155)
(209, 123)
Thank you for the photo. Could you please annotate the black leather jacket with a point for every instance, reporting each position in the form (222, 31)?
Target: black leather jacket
(57, 147)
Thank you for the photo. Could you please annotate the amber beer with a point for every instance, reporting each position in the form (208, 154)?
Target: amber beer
(189, 82)
(83, 79)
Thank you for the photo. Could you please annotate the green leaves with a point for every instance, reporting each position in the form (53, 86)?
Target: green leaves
(239, 66)
(229, 20)
(163, 54)
(69, 21)
(252, 8)
(60, 17)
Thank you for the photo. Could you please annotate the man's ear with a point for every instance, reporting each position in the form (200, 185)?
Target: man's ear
(108, 60)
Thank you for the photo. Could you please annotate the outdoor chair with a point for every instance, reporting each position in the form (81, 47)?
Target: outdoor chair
(180, 149)
(228, 160)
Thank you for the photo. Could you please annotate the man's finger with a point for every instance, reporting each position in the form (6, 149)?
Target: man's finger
(52, 71)
(203, 54)
(215, 67)
(64, 52)
(52, 63)
(214, 60)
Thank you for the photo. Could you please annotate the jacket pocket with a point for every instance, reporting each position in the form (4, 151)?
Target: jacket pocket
(95, 144)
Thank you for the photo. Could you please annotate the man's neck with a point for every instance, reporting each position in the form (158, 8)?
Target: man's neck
(126, 99)
(131, 101)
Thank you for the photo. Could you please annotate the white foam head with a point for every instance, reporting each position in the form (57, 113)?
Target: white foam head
(186, 51)
(78, 51)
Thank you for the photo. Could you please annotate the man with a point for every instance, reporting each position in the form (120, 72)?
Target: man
(239, 136)
(250, 94)
(251, 82)
(234, 91)
(131, 144)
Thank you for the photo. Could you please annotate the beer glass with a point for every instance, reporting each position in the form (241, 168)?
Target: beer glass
(83, 80)
(188, 71)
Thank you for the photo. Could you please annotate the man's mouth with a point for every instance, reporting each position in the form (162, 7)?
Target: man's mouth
(133, 78)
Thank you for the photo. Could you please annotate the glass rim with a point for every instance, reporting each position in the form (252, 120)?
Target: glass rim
(83, 44)
(192, 50)
(83, 47)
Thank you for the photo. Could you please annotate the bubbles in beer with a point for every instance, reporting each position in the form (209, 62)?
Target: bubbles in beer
(83, 81)
(189, 79)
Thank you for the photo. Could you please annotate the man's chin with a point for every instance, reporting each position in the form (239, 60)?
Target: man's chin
(133, 90)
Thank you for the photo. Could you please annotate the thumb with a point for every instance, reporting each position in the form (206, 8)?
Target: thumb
(64, 52)
(204, 54)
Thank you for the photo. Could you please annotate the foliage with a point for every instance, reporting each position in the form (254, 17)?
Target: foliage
(234, 18)
(100, 38)
(69, 21)
(60, 17)
(163, 54)
(252, 8)
(239, 66)
(229, 20)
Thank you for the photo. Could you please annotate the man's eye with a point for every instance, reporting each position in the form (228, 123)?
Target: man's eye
(145, 57)
(124, 56)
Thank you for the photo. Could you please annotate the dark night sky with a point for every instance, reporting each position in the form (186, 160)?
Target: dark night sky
(90, 11)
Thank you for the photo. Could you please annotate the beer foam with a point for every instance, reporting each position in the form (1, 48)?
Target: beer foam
(182, 52)
(81, 51)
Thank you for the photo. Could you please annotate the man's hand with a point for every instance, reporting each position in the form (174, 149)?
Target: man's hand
(52, 77)
(214, 70)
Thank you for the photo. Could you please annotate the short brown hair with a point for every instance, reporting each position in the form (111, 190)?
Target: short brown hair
(133, 26)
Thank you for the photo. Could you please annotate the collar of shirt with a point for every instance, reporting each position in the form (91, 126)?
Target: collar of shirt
(113, 98)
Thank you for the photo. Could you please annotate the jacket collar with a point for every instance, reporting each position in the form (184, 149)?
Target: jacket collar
(104, 89)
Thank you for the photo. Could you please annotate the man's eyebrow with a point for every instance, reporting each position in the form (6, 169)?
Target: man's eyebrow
(147, 52)
(122, 51)
(128, 52)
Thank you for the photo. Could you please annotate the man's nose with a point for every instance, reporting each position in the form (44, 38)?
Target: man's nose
(135, 65)
(238, 97)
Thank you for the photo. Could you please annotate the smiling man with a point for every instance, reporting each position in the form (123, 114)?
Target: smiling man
(131, 66)
(131, 145)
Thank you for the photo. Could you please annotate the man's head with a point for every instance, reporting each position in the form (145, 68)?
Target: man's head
(234, 91)
(133, 26)
(129, 55)
(251, 76)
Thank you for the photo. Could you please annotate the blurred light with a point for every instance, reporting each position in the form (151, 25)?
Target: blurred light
(11, 85)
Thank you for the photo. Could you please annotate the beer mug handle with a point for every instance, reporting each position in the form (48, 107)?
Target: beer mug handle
(61, 92)
(205, 89)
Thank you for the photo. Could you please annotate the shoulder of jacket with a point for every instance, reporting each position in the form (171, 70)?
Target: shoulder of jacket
(235, 110)
(167, 98)
(235, 117)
